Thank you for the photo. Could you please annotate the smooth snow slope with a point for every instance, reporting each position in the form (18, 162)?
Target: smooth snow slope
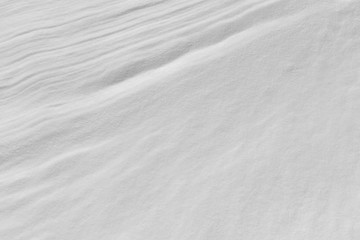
(179, 120)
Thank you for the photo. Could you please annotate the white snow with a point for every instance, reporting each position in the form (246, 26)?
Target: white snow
(180, 120)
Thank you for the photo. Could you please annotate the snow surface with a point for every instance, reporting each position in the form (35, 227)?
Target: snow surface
(180, 120)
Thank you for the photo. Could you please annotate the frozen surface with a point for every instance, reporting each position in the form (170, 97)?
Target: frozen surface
(179, 120)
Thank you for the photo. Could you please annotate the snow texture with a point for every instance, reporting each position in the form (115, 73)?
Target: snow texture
(180, 120)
